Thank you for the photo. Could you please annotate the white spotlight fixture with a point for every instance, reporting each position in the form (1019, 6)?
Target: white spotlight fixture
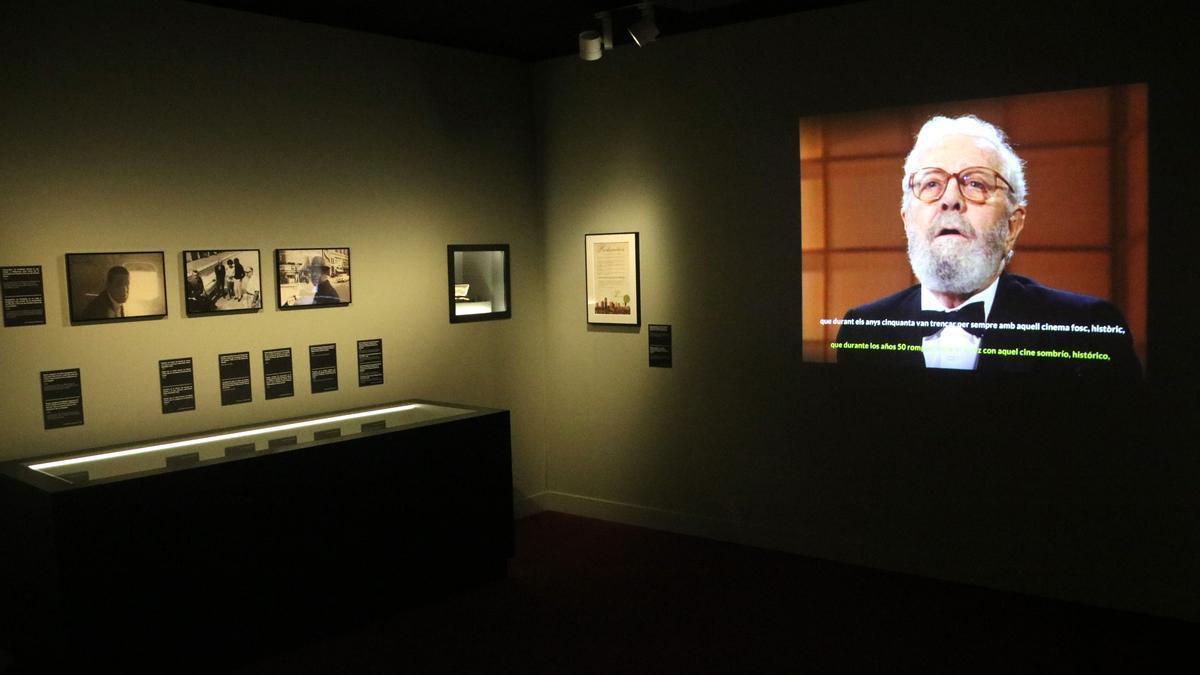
(592, 43)
(644, 31)
(590, 48)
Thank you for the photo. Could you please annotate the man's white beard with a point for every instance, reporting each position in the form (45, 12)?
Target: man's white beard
(954, 265)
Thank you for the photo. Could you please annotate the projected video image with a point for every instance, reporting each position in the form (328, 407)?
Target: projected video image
(1003, 234)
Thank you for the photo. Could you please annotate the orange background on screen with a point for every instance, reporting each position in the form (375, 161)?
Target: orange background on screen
(1085, 228)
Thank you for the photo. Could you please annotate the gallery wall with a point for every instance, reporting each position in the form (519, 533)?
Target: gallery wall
(169, 126)
(1038, 487)
(162, 126)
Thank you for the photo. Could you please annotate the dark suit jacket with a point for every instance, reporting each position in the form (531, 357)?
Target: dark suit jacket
(326, 294)
(1019, 301)
(101, 307)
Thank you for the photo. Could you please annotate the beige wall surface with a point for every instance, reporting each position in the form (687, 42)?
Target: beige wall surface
(693, 142)
(172, 126)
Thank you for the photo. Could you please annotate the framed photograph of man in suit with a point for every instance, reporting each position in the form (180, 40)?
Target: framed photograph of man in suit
(612, 264)
(110, 287)
(312, 277)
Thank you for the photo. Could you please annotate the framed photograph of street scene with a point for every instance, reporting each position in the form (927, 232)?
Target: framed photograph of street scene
(613, 279)
(479, 278)
(312, 277)
(106, 287)
(225, 281)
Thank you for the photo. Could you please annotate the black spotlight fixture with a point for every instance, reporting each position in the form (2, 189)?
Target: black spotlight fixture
(644, 30)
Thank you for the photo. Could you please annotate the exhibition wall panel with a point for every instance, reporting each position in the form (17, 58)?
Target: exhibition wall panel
(165, 126)
(1046, 489)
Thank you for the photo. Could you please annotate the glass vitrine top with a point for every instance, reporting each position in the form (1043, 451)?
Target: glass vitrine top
(274, 436)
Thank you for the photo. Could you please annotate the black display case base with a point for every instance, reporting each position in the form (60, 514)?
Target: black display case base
(214, 561)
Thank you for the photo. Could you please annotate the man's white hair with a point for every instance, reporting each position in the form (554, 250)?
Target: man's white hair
(1012, 168)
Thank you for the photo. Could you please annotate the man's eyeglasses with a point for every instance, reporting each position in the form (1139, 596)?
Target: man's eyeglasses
(975, 183)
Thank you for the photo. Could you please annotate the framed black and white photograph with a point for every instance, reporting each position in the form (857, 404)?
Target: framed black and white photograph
(479, 282)
(613, 279)
(222, 281)
(312, 277)
(116, 286)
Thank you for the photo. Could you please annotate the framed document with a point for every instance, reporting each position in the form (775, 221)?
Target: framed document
(116, 286)
(613, 279)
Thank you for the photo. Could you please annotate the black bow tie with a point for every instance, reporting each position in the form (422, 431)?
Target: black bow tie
(966, 315)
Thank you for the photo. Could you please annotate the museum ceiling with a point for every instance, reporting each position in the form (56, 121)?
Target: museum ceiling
(529, 30)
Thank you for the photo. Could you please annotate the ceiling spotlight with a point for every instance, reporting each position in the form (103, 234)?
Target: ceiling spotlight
(643, 31)
(590, 48)
(592, 43)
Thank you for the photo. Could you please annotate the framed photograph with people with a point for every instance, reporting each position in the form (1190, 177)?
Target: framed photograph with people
(312, 277)
(222, 281)
(111, 287)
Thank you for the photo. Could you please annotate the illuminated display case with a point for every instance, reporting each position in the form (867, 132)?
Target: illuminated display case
(155, 456)
(271, 527)
(480, 282)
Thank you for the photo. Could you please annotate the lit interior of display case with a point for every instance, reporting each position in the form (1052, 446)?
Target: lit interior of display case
(479, 282)
(137, 458)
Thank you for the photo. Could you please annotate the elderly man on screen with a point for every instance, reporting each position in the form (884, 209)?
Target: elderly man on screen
(963, 208)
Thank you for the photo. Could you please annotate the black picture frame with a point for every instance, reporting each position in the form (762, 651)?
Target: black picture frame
(626, 258)
(477, 270)
(90, 276)
(294, 273)
(211, 293)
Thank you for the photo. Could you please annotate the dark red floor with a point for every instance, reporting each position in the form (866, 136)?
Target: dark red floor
(588, 596)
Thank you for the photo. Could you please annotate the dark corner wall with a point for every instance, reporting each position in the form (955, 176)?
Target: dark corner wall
(1052, 489)
(168, 126)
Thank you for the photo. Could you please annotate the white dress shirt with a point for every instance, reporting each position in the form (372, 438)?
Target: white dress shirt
(953, 347)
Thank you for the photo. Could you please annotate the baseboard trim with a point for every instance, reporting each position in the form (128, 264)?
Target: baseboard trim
(791, 542)
(658, 519)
